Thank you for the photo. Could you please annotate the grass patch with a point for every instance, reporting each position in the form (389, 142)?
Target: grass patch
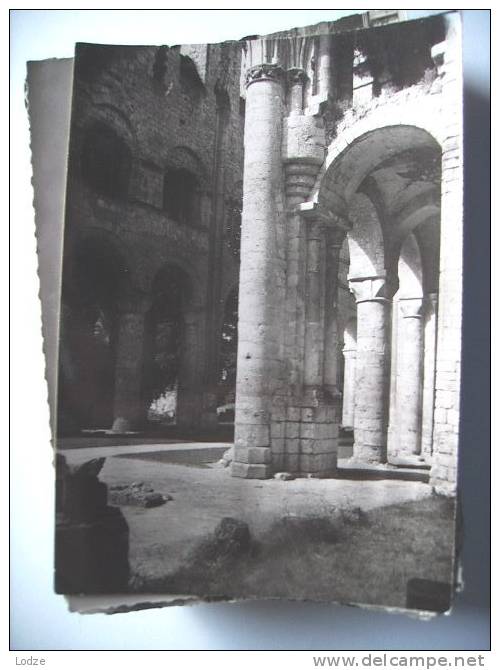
(350, 557)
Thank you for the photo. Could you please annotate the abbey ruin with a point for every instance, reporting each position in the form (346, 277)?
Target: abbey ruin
(304, 188)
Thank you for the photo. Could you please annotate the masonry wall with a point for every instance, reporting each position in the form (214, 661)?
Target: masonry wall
(165, 105)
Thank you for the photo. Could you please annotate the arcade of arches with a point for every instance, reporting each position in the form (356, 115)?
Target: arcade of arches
(350, 319)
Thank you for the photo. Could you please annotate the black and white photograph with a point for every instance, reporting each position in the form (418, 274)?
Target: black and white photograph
(257, 390)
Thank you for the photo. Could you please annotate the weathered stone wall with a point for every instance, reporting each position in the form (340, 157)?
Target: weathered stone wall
(448, 355)
(165, 107)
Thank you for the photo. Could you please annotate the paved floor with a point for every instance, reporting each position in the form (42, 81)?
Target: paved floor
(161, 537)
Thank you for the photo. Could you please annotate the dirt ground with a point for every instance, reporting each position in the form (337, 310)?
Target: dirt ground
(396, 529)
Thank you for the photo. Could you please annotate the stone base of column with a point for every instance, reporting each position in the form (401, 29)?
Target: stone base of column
(252, 451)
(306, 441)
(369, 454)
(130, 422)
(302, 438)
(121, 425)
(251, 470)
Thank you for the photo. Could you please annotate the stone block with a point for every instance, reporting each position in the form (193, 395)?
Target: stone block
(292, 445)
(252, 435)
(252, 454)
(278, 461)
(284, 476)
(292, 429)
(278, 445)
(292, 462)
(250, 470)
(319, 431)
(277, 430)
(315, 463)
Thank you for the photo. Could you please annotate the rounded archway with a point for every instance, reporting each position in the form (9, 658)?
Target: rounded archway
(386, 187)
(95, 279)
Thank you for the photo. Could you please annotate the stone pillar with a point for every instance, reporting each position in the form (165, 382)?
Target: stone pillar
(333, 240)
(409, 381)
(296, 78)
(319, 407)
(443, 476)
(190, 389)
(129, 409)
(392, 432)
(429, 374)
(349, 393)
(370, 411)
(300, 435)
(324, 66)
(260, 296)
(314, 335)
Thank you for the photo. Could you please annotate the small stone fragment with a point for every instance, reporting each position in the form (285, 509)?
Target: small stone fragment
(284, 476)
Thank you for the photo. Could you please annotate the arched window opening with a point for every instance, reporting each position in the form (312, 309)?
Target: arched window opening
(106, 161)
(93, 282)
(181, 196)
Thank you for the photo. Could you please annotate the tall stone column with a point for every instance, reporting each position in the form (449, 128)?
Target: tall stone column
(324, 66)
(261, 295)
(333, 241)
(296, 78)
(392, 432)
(429, 374)
(370, 411)
(349, 392)
(190, 389)
(409, 382)
(129, 409)
(314, 335)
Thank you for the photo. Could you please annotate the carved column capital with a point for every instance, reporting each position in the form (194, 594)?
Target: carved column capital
(295, 78)
(332, 220)
(296, 75)
(369, 289)
(411, 308)
(264, 72)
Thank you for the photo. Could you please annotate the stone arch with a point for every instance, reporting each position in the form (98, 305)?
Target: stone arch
(100, 257)
(115, 117)
(184, 185)
(105, 160)
(185, 269)
(365, 239)
(183, 157)
(359, 148)
(95, 282)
